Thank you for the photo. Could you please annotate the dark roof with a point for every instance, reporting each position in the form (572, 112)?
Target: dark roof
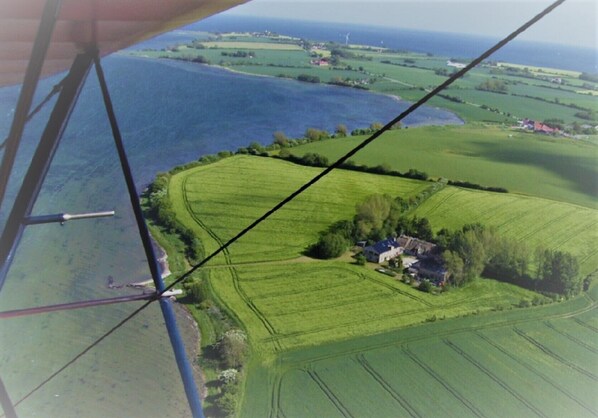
(383, 246)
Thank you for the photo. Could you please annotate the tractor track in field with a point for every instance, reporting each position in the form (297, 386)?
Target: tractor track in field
(448, 333)
(492, 376)
(554, 355)
(329, 393)
(535, 371)
(583, 324)
(456, 394)
(571, 337)
(387, 387)
(233, 270)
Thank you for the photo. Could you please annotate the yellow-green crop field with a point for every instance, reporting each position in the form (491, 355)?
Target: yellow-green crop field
(330, 338)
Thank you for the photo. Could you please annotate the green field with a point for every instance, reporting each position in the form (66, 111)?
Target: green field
(536, 222)
(554, 168)
(330, 338)
(538, 362)
(286, 304)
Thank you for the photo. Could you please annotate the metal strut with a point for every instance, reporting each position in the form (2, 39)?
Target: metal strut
(40, 163)
(176, 341)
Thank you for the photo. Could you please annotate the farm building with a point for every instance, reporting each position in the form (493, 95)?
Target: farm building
(431, 270)
(383, 250)
(417, 247)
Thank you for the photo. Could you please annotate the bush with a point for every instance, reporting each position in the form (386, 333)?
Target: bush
(360, 260)
(330, 245)
(425, 286)
(233, 348)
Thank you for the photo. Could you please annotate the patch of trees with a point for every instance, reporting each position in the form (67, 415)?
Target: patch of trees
(476, 186)
(593, 77)
(479, 251)
(199, 59)
(308, 78)
(318, 160)
(586, 115)
(376, 218)
(159, 209)
(452, 98)
(493, 85)
(238, 54)
(443, 72)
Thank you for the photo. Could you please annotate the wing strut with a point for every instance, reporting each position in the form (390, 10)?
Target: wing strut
(48, 144)
(165, 304)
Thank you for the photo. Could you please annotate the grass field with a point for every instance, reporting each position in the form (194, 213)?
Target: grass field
(287, 302)
(330, 338)
(533, 362)
(558, 169)
(536, 222)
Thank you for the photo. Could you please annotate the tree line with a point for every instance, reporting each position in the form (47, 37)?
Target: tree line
(472, 251)
(159, 209)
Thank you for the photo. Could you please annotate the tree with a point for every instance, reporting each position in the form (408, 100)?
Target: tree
(341, 130)
(471, 250)
(374, 210)
(330, 245)
(454, 266)
(559, 272)
(233, 348)
(376, 126)
(423, 229)
(425, 286)
(280, 138)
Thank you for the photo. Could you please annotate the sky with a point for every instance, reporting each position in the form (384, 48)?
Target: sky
(572, 23)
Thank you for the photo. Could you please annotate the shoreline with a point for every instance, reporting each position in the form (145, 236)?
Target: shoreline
(161, 258)
(395, 97)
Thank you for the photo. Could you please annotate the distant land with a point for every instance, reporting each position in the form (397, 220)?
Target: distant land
(446, 44)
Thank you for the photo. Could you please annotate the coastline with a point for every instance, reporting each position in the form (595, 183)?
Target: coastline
(162, 258)
(395, 97)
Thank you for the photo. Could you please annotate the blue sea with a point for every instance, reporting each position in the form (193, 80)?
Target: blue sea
(169, 113)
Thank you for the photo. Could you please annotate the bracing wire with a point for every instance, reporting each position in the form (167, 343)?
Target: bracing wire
(56, 89)
(304, 187)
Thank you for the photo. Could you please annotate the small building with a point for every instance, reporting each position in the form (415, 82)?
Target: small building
(382, 251)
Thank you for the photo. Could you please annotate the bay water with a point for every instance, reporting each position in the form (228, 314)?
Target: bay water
(169, 113)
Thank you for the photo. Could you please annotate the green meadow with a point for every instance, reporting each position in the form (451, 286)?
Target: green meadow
(553, 168)
(520, 363)
(330, 338)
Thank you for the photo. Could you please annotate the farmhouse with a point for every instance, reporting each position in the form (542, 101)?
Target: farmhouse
(428, 265)
(383, 251)
(458, 65)
(537, 127)
(321, 62)
(417, 247)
